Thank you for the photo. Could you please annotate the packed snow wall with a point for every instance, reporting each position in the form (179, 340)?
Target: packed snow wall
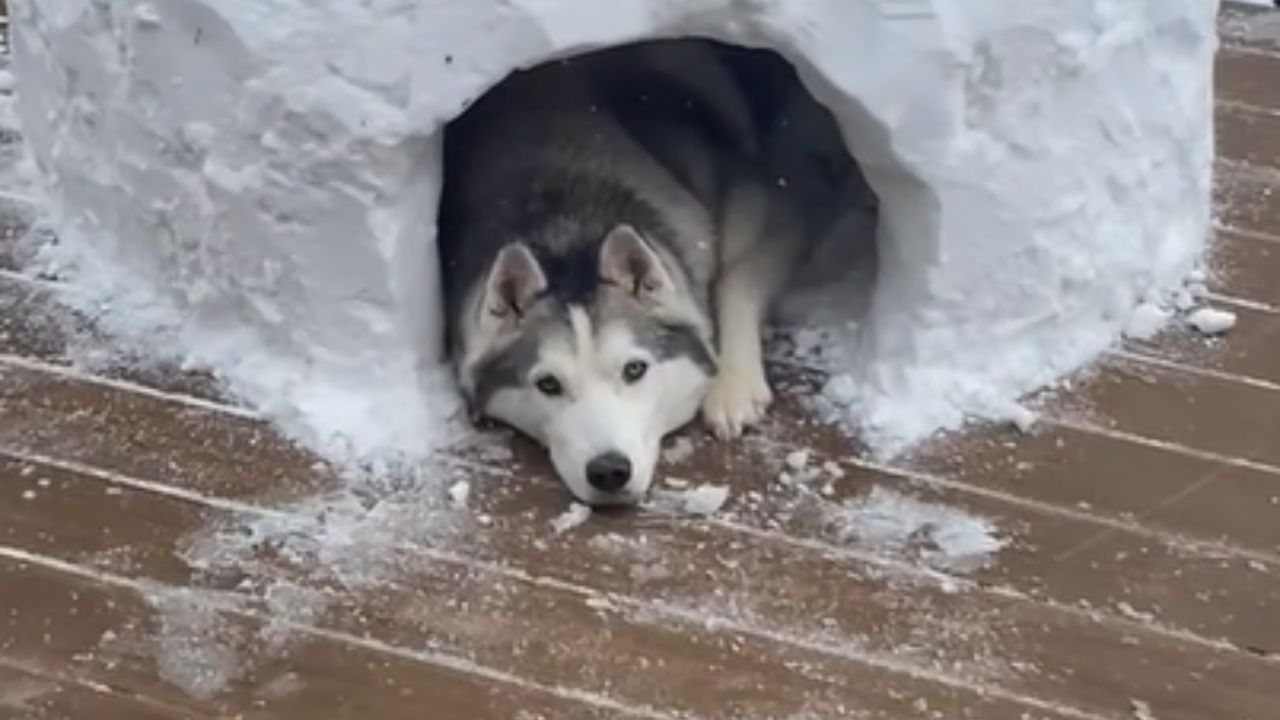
(252, 185)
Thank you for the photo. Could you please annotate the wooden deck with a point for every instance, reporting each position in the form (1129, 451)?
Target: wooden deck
(166, 555)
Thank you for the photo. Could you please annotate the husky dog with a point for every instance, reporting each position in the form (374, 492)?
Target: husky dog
(611, 244)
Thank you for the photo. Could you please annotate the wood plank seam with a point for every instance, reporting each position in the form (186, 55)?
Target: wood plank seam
(71, 372)
(1140, 356)
(1243, 108)
(1247, 233)
(99, 688)
(1243, 303)
(1230, 50)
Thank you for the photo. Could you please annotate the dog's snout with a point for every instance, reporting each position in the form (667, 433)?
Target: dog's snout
(609, 472)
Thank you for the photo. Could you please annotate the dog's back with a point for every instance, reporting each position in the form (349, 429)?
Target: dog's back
(558, 155)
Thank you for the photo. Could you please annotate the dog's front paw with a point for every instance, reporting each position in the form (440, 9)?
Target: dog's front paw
(737, 399)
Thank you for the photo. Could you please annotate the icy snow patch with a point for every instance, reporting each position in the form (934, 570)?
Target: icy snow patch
(943, 537)
(195, 649)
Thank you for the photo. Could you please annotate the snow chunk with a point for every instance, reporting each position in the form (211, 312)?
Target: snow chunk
(1146, 321)
(798, 459)
(841, 390)
(1212, 321)
(705, 500)
(459, 493)
(700, 501)
(1141, 709)
(573, 516)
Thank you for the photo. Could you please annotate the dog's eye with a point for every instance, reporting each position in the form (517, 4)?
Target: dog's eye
(634, 370)
(548, 385)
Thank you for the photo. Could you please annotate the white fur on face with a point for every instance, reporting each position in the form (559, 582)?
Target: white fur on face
(599, 411)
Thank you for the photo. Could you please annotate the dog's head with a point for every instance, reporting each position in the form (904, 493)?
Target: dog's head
(598, 377)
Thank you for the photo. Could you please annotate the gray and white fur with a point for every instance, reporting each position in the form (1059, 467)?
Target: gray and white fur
(611, 244)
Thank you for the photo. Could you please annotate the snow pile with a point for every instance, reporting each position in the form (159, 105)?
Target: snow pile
(253, 185)
(941, 537)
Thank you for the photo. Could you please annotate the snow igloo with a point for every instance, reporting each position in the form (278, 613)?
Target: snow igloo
(252, 186)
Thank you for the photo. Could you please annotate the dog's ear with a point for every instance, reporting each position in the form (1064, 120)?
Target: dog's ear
(629, 262)
(514, 281)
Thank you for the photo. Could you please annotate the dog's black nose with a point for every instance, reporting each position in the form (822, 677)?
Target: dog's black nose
(609, 472)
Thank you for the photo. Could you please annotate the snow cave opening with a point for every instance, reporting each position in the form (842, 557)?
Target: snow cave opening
(805, 153)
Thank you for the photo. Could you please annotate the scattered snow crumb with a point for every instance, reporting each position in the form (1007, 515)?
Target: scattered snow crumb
(833, 469)
(459, 493)
(798, 459)
(1212, 321)
(679, 450)
(675, 482)
(572, 517)
(28, 494)
(1141, 709)
(1146, 321)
